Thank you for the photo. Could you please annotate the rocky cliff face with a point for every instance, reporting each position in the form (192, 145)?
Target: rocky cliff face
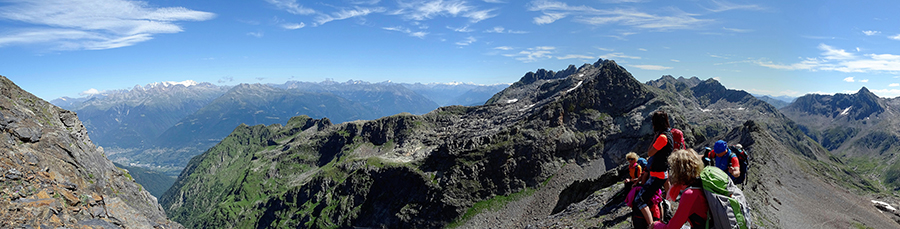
(54, 176)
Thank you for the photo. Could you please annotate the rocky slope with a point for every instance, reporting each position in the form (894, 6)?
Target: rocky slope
(529, 157)
(54, 176)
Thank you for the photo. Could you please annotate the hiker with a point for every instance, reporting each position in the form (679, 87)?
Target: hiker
(685, 167)
(635, 169)
(662, 146)
(725, 160)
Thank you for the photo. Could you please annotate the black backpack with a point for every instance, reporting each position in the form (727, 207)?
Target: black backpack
(744, 160)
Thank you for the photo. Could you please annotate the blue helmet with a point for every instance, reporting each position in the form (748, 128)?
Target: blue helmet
(720, 146)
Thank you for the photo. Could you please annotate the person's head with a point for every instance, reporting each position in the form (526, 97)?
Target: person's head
(720, 146)
(660, 121)
(631, 157)
(684, 166)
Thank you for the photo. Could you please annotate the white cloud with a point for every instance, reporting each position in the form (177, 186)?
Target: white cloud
(464, 29)
(619, 55)
(738, 30)
(571, 56)
(494, 1)
(548, 18)
(498, 29)
(606, 49)
(481, 15)
(895, 37)
(469, 40)
(652, 67)
(864, 81)
(91, 91)
(839, 60)
(346, 13)
(293, 26)
(533, 54)
(621, 1)
(720, 6)
(84, 24)
(849, 79)
(894, 85)
(642, 49)
(256, 34)
(419, 34)
(676, 61)
(427, 9)
(504, 48)
(291, 6)
(886, 93)
(870, 32)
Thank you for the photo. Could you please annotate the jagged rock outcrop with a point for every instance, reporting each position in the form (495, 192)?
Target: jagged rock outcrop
(54, 176)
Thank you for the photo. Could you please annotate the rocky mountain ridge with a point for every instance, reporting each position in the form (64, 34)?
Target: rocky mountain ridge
(443, 168)
(54, 176)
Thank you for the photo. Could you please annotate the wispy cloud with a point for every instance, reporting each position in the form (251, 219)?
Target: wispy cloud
(500, 29)
(887, 93)
(548, 18)
(894, 85)
(291, 6)
(464, 29)
(674, 60)
(347, 13)
(256, 34)
(554, 10)
(864, 81)
(834, 59)
(849, 80)
(738, 30)
(619, 55)
(870, 32)
(427, 9)
(419, 34)
(571, 56)
(720, 6)
(494, 1)
(652, 67)
(895, 37)
(91, 25)
(469, 40)
(293, 26)
(504, 48)
(533, 54)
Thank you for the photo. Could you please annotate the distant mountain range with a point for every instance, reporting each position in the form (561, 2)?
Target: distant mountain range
(162, 125)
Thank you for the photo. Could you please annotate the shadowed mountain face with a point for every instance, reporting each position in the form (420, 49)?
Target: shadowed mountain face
(52, 175)
(407, 171)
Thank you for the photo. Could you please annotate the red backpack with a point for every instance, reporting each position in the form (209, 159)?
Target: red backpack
(678, 139)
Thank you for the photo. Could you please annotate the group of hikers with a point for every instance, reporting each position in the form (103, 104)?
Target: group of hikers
(703, 184)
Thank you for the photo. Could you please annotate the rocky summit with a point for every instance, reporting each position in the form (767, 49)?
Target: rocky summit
(53, 176)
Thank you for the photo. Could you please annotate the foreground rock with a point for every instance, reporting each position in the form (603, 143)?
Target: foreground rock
(52, 175)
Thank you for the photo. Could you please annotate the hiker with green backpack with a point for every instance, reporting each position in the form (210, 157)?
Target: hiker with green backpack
(706, 196)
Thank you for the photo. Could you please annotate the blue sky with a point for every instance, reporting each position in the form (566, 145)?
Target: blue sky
(56, 48)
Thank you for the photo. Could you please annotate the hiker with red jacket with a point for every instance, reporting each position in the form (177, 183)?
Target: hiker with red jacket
(725, 160)
(686, 166)
(659, 151)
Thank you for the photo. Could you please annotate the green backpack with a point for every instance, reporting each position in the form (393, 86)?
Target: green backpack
(727, 205)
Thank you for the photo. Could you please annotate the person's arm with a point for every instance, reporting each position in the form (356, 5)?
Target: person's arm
(735, 167)
(657, 145)
(685, 209)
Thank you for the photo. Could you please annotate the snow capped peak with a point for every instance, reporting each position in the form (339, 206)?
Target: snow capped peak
(186, 83)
